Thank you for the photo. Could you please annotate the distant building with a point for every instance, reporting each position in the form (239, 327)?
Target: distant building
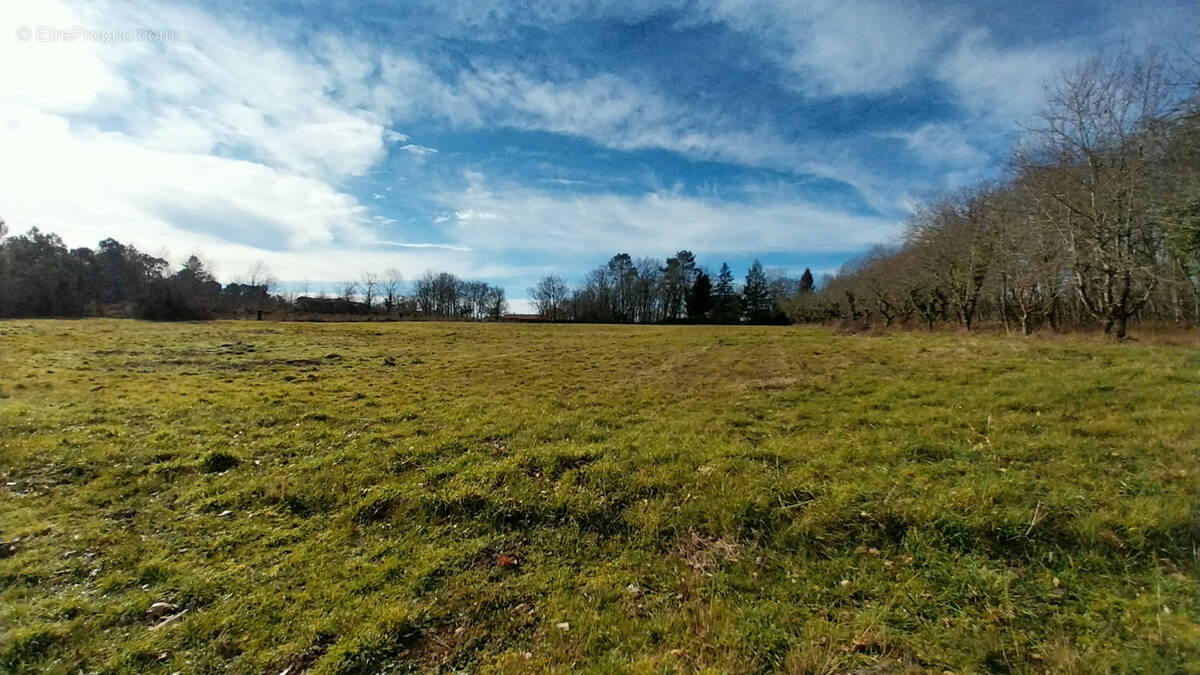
(523, 318)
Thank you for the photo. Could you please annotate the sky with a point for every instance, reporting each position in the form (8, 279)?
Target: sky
(503, 141)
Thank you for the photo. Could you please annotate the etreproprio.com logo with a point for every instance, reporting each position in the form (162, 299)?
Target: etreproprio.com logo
(94, 35)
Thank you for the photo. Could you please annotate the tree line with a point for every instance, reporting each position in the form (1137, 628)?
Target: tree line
(677, 290)
(1097, 222)
(41, 277)
(435, 295)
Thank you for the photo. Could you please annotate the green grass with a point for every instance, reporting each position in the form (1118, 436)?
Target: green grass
(337, 498)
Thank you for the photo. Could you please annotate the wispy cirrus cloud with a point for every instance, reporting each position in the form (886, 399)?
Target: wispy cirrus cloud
(418, 150)
(1003, 85)
(409, 244)
(839, 47)
(551, 224)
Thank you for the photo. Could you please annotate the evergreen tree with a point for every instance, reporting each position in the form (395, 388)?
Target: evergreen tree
(756, 295)
(725, 298)
(700, 299)
(194, 271)
(677, 279)
(190, 293)
(623, 283)
(806, 282)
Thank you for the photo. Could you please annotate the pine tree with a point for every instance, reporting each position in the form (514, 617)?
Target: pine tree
(677, 279)
(806, 282)
(725, 298)
(756, 295)
(194, 271)
(700, 299)
(623, 283)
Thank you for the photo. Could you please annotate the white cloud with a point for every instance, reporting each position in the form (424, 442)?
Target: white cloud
(53, 76)
(221, 140)
(838, 47)
(471, 214)
(552, 224)
(496, 20)
(406, 244)
(619, 114)
(85, 184)
(299, 111)
(334, 263)
(1002, 86)
(943, 144)
(418, 150)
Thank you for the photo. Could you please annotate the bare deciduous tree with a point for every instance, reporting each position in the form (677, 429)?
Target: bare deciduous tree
(1090, 163)
(260, 275)
(348, 292)
(369, 283)
(956, 238)
(548, 296)
(393, 282)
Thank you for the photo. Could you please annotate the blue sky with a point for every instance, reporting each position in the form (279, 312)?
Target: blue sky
(506, 140)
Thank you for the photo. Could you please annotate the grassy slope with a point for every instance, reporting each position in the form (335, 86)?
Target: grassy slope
(682, 497)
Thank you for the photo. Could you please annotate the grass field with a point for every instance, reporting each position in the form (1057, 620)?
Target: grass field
(396, 497)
